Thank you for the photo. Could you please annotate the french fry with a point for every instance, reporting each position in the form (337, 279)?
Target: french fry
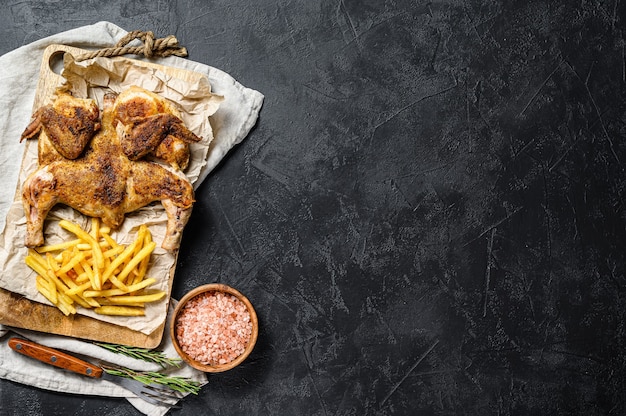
(119, 260)
(109, 257)
(82, 278)
(65, 304)
(76, 230)
(95, 228)
(134, 299)
(57, 247)
(117, 292)
(86, 246)
(32, 262)
(96, 272)
(118, 284)
(143, 266)
(79, 300)
(58, 284)
(74, 260)
(112, 252)
(108, 302)
(120, 310)
(95, 248)
(88, 271)
(63, 284)
(112, 243)
(45, 288)
(67, 281)
(34, 255)
(143, 253)
(79, 289)
(48, 289)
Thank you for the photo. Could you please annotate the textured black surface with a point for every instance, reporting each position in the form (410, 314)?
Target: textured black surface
(429, 216)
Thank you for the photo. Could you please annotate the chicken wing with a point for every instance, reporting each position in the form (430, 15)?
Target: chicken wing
(152, 126)
(69, 124)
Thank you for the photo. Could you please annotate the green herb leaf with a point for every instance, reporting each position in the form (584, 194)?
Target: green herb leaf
(180, 384)
(143, 354)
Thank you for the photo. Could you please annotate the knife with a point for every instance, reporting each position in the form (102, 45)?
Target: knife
(152, 393)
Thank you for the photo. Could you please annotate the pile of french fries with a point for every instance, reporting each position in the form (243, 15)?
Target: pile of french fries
(93, 271)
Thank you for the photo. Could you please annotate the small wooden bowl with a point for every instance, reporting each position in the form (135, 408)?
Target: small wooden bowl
(217, 368)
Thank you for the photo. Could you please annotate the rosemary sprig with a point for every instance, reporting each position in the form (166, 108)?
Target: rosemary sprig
(180, 384)
(143, 354)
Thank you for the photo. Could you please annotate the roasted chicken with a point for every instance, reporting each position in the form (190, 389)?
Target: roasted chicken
(107, 175)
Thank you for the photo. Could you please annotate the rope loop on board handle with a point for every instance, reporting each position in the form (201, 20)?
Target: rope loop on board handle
(151, 47)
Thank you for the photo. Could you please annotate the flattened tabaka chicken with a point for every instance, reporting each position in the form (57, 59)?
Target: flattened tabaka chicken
(107, 175)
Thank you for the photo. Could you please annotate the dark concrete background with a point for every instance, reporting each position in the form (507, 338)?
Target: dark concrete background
(429, 216)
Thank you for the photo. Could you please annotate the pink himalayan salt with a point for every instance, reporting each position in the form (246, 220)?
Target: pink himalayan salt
(214, 328)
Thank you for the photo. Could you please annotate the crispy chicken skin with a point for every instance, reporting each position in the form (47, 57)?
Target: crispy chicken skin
(68, 122)
(104, 182)
(152, 126)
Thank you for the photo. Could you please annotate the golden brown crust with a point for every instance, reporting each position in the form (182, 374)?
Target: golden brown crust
(104, 180)
(152, 126)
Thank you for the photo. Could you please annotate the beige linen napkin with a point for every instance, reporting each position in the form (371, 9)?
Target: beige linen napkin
(233, 121)
(25, 370)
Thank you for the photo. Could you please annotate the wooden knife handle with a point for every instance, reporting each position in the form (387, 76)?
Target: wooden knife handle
(54, 357)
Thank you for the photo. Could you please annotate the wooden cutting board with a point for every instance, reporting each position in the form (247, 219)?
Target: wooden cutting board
(19, 312)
